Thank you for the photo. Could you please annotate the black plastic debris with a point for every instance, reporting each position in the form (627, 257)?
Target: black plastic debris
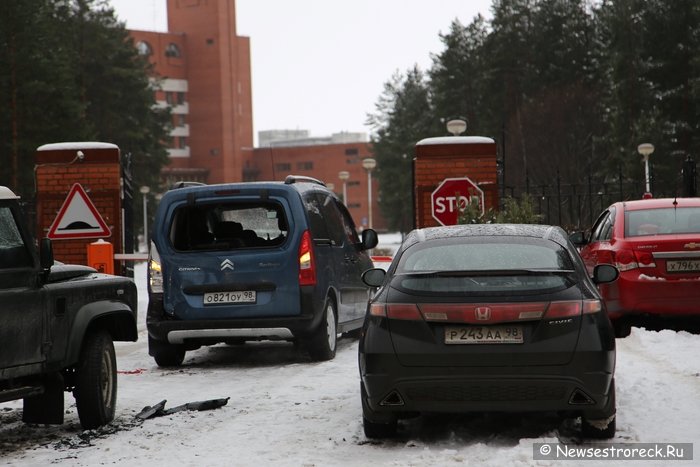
(159, 410)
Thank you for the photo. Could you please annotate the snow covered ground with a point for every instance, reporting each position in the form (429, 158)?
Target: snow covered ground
(287, 411)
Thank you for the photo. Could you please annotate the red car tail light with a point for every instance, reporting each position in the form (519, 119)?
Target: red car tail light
(307, 263)
(626, 260)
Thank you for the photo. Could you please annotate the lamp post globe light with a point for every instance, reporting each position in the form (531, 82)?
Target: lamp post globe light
(456, 126)
(369, 164)
(344, 175)
(144, 192)
(646, 149)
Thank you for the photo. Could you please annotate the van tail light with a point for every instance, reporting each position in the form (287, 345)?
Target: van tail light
(307, 262)
(155, 273)
(626, 260)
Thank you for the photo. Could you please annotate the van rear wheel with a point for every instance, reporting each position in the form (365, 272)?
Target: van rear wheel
(166, 355)
(322, 344)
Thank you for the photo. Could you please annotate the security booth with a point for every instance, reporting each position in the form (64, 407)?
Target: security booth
(81, 198)
(449, 173)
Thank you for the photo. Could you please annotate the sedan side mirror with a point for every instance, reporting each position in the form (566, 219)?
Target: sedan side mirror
(578, 238)
(369, 239)
(374, 277)
(605, 273)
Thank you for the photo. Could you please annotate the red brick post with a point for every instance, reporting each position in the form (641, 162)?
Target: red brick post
(439, 158)
(96, 167)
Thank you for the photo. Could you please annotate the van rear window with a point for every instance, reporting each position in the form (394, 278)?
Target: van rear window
(228, 226)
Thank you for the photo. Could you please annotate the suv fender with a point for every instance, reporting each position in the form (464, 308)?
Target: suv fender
(115, 317)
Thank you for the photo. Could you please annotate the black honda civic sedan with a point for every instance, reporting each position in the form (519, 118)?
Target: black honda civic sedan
(487, 318)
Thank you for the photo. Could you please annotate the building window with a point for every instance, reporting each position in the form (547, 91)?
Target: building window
(354, 205)
(305, 165)
(169, 98)
(144, 48)
(180, 98)
(179, 120)
(172, 50)
(182, 142)
(353, 183)
(351, 152)
(283, 167)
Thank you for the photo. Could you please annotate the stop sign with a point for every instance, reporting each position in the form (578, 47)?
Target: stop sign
(453, 196)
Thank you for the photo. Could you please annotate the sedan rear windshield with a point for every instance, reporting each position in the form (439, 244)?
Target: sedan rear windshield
(662, 221)
(485, 266)
(228, 226)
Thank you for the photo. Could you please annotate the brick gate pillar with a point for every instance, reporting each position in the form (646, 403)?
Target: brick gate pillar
(445, 157)
(96, 167)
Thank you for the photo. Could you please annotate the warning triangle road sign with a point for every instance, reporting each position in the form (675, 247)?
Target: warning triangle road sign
(78, 218)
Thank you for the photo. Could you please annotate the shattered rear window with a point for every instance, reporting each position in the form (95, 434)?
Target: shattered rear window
(225, 226)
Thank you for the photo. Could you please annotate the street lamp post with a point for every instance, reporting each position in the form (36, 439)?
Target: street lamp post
(369, 164)
(344, 175)
(144, 191)
(646, 149)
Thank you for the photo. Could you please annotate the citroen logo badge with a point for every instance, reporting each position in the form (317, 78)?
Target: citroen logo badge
(227, 264)
(482, 313)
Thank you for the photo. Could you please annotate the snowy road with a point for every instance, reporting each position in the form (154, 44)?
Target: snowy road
(286, 410)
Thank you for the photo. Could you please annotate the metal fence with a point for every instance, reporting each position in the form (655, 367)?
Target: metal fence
(576, 206)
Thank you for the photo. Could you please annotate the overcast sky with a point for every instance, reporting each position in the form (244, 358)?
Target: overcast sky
(320, 65)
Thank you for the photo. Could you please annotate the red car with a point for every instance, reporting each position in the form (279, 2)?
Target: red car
(655, 244)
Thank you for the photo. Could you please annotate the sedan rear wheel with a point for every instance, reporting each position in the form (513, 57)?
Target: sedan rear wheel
(603, 428)
(375, 429)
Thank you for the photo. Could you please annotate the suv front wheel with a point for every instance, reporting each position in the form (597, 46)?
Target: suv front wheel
(323, 342)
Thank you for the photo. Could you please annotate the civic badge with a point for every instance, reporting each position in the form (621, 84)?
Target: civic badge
(482, 313)
(692, 245)
(227, 264)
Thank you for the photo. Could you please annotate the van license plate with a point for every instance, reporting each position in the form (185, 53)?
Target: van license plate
(484, 334)
(239, 296)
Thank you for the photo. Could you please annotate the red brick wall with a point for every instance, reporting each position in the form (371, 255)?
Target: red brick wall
(438, 159)
(326, 160)
(100, 176)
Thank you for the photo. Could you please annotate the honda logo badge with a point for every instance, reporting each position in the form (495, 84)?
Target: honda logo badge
(227, 264)
(482, 313)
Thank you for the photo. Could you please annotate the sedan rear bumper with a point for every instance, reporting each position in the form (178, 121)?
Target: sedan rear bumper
(637, 293)
(506, 389)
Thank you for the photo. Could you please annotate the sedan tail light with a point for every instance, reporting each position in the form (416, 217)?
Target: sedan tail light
(626, 260)
(485, 313)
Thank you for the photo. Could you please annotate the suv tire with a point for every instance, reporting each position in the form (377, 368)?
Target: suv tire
(166, 355)
(322, 344)
(96, 381)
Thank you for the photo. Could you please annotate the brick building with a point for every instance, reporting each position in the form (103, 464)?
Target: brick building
(204, 71)
(204, 76)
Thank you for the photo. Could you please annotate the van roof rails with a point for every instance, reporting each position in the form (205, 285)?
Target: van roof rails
(302, 179)
(185, 184)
